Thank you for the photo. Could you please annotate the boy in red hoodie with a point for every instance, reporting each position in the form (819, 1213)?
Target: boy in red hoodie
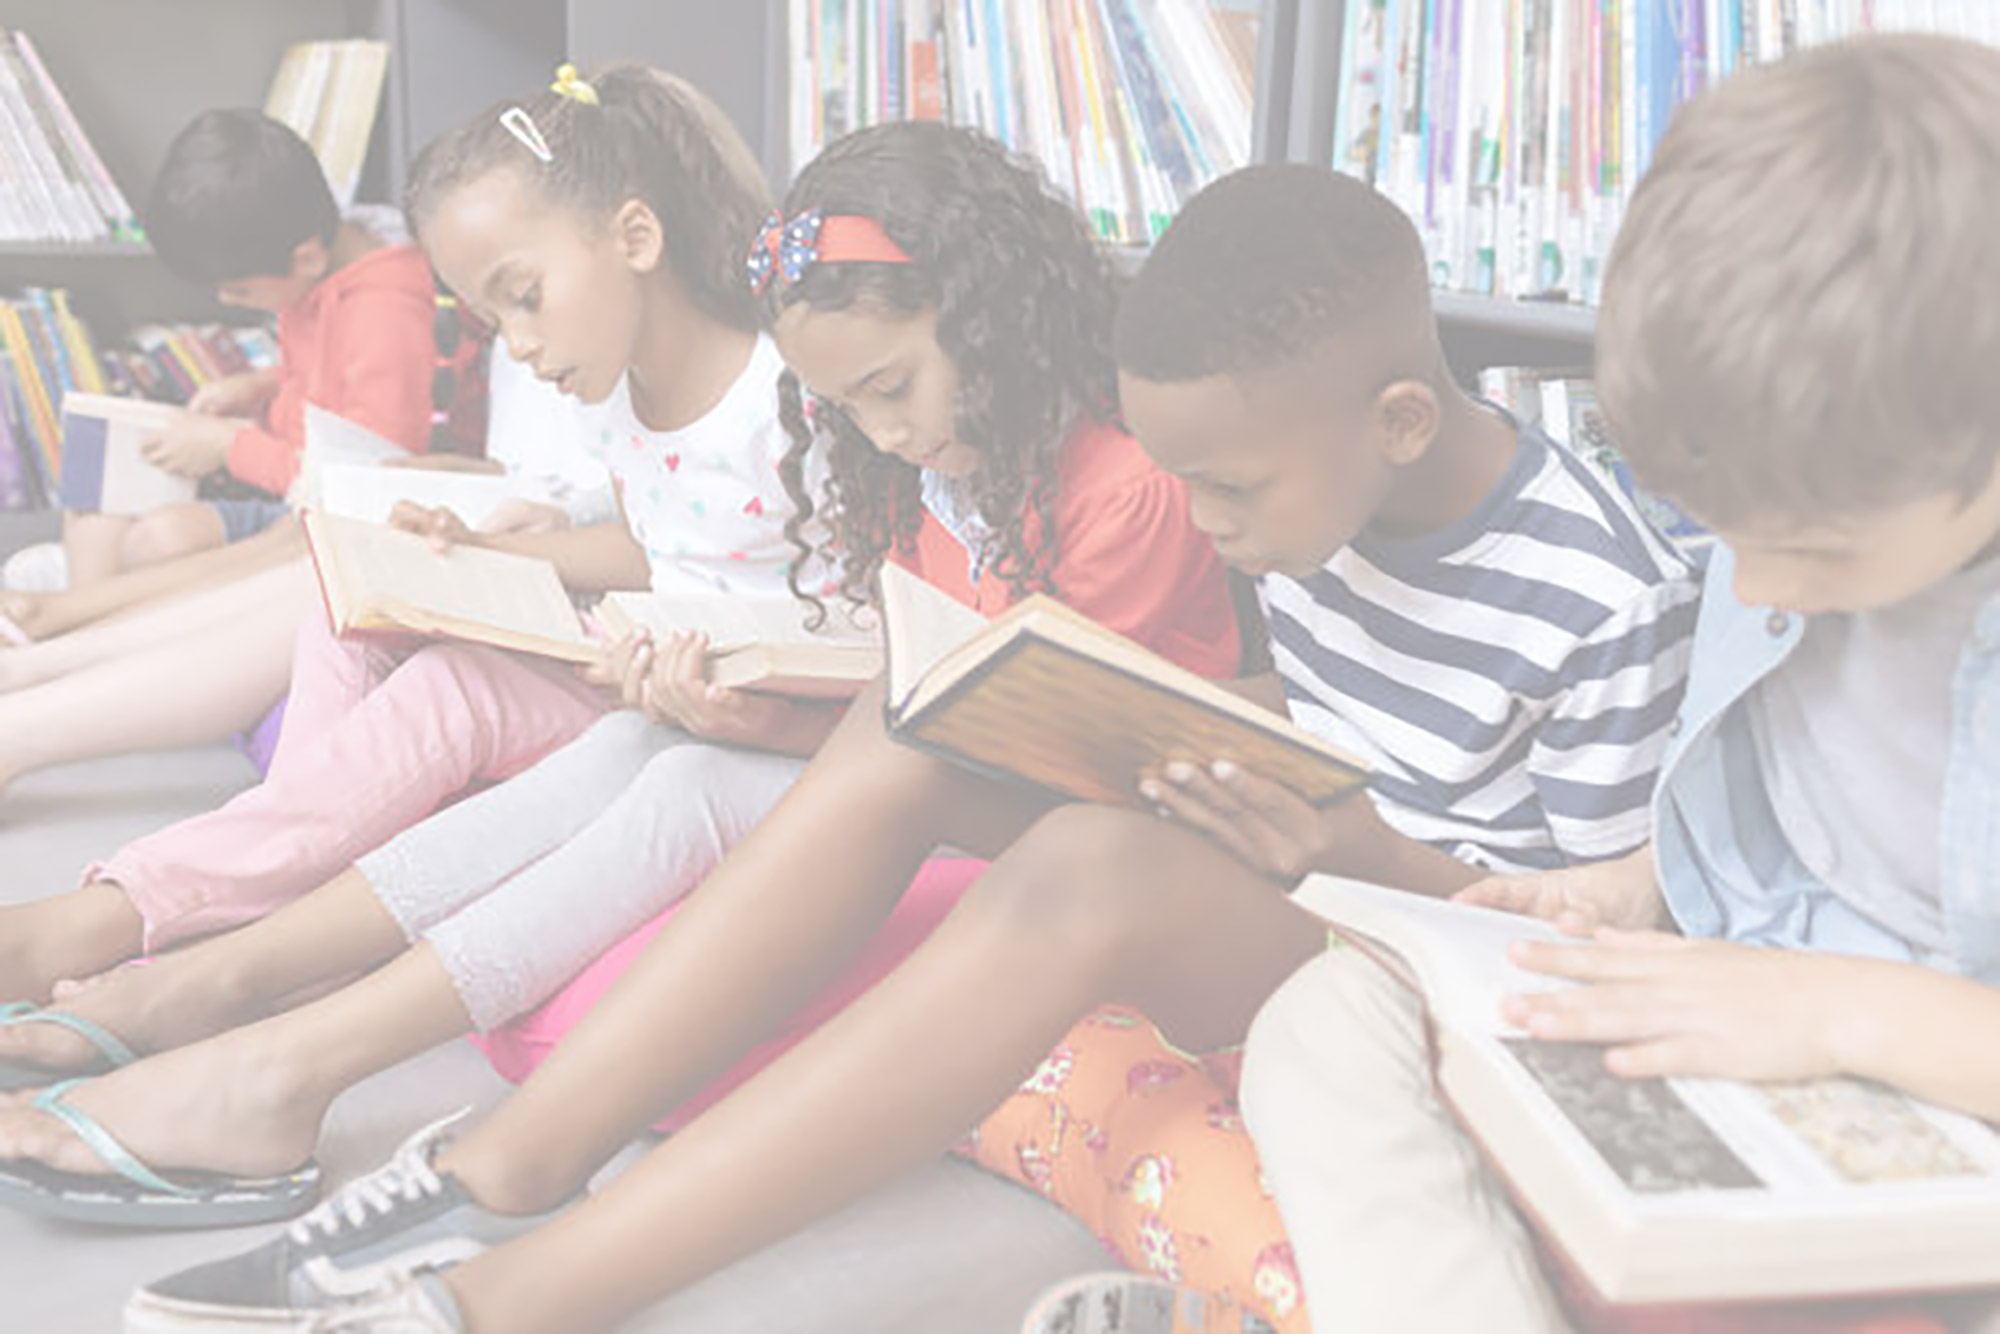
(242, 206)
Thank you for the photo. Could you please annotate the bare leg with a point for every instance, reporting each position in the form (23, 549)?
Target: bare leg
(83, 931)
(183, 996)
(44, 616)
(1092, 906)
(251, 1101)
(284, 591)
(169, 533)
(94, 545)
(188, 690)
(782, 915)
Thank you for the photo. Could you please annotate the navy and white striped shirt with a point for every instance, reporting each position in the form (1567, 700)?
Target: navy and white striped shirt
(1512, 678)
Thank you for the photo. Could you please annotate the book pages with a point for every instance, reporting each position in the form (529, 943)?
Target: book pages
(381, 578)
(371, 492)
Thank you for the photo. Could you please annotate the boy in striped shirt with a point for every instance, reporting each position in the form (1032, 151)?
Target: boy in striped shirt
(1449, 594)
(1787, 349)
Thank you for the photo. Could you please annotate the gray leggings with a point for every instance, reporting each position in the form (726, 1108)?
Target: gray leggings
(519, 888)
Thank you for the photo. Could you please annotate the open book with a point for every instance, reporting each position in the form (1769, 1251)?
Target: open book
(758, 643)
(104, 466)
(376, 578)
(1686, 1190)
(1045, 695)
(344, 471)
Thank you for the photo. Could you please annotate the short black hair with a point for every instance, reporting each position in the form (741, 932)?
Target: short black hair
(1263, 266)
(237, 194)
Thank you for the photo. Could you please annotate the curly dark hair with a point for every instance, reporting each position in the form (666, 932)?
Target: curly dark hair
(1024, 301)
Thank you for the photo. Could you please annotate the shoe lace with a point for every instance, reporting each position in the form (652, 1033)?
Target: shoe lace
(405, 1179)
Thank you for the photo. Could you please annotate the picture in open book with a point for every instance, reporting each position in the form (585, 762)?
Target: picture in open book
(773, 643)
(1675, 1190)
(1043, 695)
(380, 579)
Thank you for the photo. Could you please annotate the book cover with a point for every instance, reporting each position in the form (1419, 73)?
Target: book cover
(104, 467)
(1043, 696)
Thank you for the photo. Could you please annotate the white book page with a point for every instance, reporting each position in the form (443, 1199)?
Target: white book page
(921, 626)
(733, 622)
(397, 570)
(1458, 952)
(370, 491)
(332, 439)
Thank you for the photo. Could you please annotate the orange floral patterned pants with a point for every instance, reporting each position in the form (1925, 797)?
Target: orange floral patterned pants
(1143, 1145)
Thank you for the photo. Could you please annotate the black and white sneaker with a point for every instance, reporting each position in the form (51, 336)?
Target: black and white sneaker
(367, 1241)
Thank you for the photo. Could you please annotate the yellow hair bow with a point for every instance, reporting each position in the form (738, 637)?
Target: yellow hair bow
(574, 86)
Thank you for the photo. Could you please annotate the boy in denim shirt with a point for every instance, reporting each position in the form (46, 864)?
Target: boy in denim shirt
(1798, 345)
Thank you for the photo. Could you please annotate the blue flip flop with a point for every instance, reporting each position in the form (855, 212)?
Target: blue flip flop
(112, 1052)
(140, 1197)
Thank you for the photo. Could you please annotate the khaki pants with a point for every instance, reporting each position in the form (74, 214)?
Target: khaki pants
(1396, 1224)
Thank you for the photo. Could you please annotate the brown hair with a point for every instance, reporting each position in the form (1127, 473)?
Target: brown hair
(652, 137)
(1801, 317)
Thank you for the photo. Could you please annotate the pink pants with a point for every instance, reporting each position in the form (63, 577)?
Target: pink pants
(376, 737)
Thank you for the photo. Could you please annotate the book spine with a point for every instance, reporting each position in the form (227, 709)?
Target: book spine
(14, 466)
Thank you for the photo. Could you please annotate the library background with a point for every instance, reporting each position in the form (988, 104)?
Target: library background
(1510, 130)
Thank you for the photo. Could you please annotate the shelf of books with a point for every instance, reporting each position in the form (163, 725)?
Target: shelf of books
(61, 212)
(1513, 131)
(1130, 105)
(54, 189)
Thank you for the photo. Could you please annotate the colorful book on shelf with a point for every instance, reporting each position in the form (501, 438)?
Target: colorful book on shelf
(380, 580)
(39, 395)
(17, 477)
(104, 465)
(1683, 1190)
(770, 644)
(1557, 106)
(1043, 695)
(1130, 105)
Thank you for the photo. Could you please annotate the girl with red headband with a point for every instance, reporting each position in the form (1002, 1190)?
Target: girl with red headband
(946, 323)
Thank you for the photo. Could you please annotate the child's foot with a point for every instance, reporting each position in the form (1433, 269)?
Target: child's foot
(398, 1222)
(70, 935)
(22, 616)
(232, 1105)
(168, 1001)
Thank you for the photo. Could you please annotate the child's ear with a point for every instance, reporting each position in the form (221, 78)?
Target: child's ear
(641, 240)
(1409, 414)
(311, 260)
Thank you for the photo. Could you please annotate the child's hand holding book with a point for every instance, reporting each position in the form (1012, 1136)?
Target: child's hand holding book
(1578, 899)
(439, 526)
(194, 444)
(1267, 826)
(1670, 1006)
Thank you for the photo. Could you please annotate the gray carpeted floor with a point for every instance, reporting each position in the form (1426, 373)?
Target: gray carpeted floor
(947, 1250)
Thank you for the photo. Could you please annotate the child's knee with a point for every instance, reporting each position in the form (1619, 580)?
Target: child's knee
(1342, 1016)
(1080, 875)
(166, 534)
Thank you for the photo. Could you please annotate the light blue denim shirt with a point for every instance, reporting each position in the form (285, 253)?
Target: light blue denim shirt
(1724, 865)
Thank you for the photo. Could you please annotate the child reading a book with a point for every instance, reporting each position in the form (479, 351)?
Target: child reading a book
(956, 378)
(1278, 349)
(633, 303)
(241, 206)
(1787, 351)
